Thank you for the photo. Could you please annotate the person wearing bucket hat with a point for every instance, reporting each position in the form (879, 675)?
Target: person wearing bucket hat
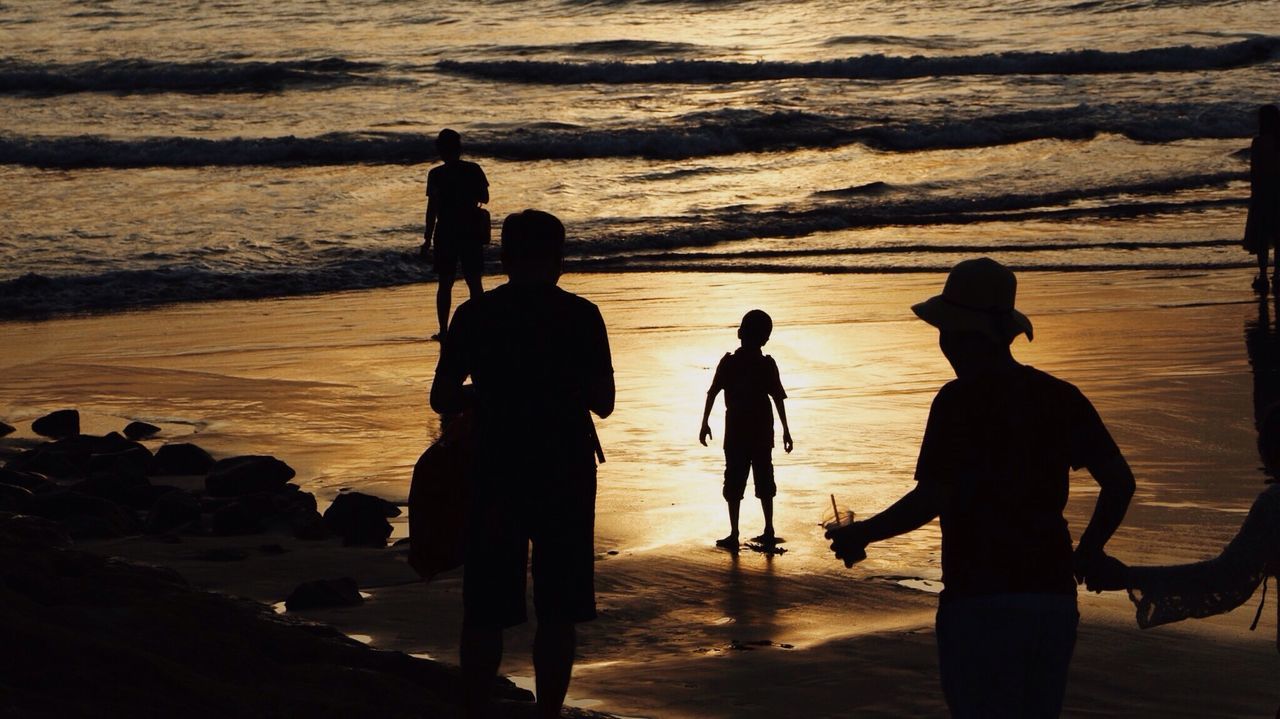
(998, 447)
(978, 297)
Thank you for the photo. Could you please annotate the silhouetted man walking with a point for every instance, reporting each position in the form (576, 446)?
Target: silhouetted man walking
(539, 362)
(999, 445)
(455, 226)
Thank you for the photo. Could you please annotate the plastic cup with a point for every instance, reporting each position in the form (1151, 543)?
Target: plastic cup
(836, 518)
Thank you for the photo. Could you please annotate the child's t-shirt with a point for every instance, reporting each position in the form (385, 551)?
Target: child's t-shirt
(748, 378)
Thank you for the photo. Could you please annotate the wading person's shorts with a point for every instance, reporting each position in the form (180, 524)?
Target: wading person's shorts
(447, 252)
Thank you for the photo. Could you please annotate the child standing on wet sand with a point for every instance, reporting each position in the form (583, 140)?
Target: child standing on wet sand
(749, 378)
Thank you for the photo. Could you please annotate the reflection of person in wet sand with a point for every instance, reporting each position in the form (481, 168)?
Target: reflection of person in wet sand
(999, 445)
(1262, 230)
(751, 601)
(1222, 583)
(749, 378)
(539, 362)
(456, 228)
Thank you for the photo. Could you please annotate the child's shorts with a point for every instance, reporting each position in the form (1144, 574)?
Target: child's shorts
(738, 462)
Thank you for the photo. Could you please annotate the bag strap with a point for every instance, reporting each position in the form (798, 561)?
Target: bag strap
(1258, 616)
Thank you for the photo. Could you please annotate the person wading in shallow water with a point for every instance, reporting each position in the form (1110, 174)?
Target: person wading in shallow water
(998, 447)
(539, 362)
(455, 228)
(1262, 229)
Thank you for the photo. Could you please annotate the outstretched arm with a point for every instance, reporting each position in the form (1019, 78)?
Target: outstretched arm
(914, 510)
(705, 433)
(1116, 480)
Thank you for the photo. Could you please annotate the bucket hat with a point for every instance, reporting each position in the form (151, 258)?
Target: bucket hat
(978, 297)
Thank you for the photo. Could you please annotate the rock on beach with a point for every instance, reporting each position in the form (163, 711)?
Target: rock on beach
(360, 519)
(140, 430)
(247, 474)
(182, 459)
(58, 425)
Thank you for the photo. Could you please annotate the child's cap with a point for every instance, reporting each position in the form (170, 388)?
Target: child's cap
(756, 326)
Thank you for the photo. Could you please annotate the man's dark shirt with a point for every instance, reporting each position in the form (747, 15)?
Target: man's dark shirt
(748, 379)
(532, 352)
(1000, 448)
(455, 188)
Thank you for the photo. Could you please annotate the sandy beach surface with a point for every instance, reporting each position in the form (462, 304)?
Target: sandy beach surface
(336, 385)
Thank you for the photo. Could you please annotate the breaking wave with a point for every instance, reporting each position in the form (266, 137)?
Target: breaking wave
(1182, 58)
(151, 76)
(704, 134)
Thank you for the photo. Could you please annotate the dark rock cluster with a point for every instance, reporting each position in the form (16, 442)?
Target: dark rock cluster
(108, 486)
(87, 635)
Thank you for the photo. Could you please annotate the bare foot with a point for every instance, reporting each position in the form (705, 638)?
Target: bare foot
(729, 542)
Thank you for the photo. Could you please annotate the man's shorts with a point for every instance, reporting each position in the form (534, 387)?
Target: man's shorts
(499, 534)
(446, 252)
(1006, 655)
(757, 461)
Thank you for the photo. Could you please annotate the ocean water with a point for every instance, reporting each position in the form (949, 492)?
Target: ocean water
(154, 151)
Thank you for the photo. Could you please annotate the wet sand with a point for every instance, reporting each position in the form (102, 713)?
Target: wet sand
(336, 385)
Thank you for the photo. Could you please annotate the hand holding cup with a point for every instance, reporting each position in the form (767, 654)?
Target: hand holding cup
(846, 538)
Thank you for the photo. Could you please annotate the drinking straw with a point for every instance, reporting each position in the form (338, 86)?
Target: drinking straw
(834, 507)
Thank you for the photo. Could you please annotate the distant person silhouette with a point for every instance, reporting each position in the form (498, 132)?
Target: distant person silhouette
(1222, 583)
(749, 378)
(1000, 442)
(455, 230)
(539, 363)
(1262, 229)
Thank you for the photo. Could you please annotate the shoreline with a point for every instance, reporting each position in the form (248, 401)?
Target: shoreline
(15, 307)
(336, 386)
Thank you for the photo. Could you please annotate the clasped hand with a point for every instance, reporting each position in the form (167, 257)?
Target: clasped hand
(1098, 571)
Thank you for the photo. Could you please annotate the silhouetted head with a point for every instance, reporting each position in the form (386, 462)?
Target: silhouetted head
(1269, 120)
(755, 329)
(978, 297)
(973, 353)
(532, 246)
(449, 145)
(1269, 441)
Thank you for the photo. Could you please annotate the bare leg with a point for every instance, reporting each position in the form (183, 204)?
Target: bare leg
(480, 654)
(731, 541)
(766, 504)
(444, 299)
(474, 285)
(553, 648)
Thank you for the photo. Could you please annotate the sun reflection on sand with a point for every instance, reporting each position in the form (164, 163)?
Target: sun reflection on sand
(855, 417)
